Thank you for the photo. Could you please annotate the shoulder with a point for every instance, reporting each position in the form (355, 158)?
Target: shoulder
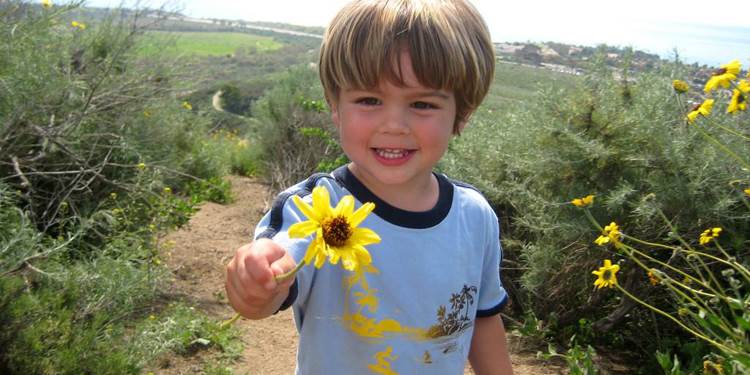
(469, 196)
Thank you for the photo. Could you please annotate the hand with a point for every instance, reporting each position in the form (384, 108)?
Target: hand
(251, 285)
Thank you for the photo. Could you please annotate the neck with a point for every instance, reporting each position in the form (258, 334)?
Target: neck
(416, 195)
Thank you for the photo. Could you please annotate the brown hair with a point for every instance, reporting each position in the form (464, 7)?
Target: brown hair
(448, 41)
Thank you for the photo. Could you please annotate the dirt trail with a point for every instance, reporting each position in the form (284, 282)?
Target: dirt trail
(200, 252)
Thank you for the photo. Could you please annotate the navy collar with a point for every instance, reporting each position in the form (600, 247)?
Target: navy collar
(394, 215)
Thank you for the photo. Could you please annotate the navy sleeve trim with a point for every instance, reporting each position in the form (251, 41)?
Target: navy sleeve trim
(494, 310)
(290, 298)
(276, 222)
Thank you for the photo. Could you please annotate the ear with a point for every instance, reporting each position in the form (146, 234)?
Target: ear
(461, 124)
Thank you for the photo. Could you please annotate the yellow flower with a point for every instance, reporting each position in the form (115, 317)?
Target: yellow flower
(78, 25)
(708, 235)
(704, 109)
(583, 202)
(607, 275)
(652, 278)
(723, 76)
(738, 102)
(336, 233)
(47, 3)
(739, 97)
(187, 106)
(167, 190)
(141, 166)
(610, 234)
(747, 192)
(680, 86)
(711, 368)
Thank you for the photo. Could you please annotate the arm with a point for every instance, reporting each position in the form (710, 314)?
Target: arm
(251, 287)
(488, 354)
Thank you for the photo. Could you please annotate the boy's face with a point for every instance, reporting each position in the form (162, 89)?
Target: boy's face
(395, 135)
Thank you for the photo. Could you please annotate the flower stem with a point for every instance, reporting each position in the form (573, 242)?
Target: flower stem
(681, 324)
(290, 274)
(229, 322)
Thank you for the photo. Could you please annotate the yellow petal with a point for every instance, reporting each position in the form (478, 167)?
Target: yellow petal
(306, 209)
(345, 207)
(312, 251)
(361, 213)
(364, 236)
(303, 229)
(322, 201)
(363, 256)
(607, 263)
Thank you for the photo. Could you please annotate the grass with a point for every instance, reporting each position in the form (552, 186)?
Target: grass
(515, 84)
(204, 44)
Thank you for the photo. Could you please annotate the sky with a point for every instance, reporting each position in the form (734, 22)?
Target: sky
(700, 31)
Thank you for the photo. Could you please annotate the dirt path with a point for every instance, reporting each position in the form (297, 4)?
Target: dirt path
(200, 253)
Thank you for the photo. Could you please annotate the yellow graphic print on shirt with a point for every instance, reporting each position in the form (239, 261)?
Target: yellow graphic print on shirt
(365, 299)
(383, 362)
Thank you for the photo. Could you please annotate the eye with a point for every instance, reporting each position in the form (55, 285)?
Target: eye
(368, 101)
(423, 105)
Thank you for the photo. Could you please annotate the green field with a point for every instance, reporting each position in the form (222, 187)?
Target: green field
(516, 83)
(204, 44)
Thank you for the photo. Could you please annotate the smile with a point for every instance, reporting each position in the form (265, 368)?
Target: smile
(392, 153)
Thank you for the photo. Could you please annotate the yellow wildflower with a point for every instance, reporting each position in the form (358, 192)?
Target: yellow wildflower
(610, 234)
(739, 97)
(711, 368)
(337, 235)
(680, 86)
(708, 235)
(187, 106)
(47, 3)
(141, 166)
(607, 275)
(652, 278)
(78, 25)
(113, 195)
(747, 192)
(738, 102)
(583, 202)
(723, 76)
(704, 109)
(167, 190)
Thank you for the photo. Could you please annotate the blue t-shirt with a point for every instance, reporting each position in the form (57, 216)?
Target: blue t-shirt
(413, 311)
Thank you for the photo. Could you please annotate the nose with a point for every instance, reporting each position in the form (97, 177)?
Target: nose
(396, 120)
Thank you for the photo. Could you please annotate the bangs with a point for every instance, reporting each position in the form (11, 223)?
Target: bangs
(447, 41)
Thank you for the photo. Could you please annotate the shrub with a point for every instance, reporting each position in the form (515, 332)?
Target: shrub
(294, 131)
(622, 139)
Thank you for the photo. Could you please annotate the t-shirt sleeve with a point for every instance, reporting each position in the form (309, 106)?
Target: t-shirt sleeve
(492, 295)
(275, 226)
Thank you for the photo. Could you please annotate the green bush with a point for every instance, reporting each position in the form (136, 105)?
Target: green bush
(624, 139)
(294, 129)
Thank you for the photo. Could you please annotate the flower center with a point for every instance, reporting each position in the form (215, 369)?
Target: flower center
(607, 275)
(336, 231)
(720, 71)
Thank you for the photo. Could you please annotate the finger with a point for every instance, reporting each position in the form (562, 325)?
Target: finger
(257, 264)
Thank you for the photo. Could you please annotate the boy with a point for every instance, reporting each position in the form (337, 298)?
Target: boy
(401, 78)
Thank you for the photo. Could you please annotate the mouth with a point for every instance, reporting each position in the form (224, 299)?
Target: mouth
(392, 153)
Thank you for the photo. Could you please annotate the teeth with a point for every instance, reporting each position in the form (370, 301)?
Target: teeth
(391, 153)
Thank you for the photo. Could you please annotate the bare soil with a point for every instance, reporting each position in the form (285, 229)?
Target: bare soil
(198, 257)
